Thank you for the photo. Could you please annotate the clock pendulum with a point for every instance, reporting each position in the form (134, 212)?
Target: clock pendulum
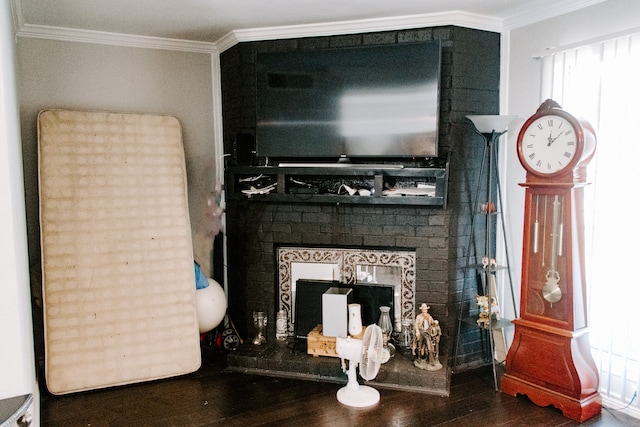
(551, 290)
(550, 358)
(536, 227)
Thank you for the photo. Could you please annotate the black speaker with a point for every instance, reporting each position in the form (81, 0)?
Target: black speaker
(244, 149)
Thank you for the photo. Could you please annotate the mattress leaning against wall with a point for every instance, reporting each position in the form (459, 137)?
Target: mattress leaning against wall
(117, 258)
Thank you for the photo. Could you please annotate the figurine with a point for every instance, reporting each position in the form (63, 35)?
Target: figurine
(485, 311)
(483, 314)
(495, 308)
(426, 343)
(489, 263)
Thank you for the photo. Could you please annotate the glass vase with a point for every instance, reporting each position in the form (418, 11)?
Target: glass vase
(260, 324)
(355, 320)
(406, 334)
(387, 329)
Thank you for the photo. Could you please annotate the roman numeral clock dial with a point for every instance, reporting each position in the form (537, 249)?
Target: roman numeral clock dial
(549, 145)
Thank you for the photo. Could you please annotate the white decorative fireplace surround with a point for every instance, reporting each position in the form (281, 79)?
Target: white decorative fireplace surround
(469, 84)
(347, 263)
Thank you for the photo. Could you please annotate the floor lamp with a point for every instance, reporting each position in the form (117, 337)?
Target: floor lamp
(490, 127)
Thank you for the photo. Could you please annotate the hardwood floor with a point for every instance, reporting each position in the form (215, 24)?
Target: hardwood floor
(214, 397)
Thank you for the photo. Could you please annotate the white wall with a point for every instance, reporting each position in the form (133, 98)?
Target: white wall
(17, 365)
(87, 76)
(600, 20)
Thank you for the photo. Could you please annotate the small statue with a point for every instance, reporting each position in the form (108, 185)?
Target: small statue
(489, 263)
(495, 308)
(483, 314)
(426, 343)
(487, 312)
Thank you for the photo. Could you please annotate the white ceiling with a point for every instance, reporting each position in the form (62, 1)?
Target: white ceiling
(212, 20)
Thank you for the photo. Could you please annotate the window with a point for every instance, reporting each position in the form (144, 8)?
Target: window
(601, 82)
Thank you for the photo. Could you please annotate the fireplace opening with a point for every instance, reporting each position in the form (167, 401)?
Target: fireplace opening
(354, 267)
(308, 302)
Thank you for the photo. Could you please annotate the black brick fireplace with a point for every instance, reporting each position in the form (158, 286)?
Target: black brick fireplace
(439, 236)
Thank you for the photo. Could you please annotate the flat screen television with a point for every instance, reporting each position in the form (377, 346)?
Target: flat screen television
(361, 102)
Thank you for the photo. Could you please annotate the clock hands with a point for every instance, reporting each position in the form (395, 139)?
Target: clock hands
(552, 140)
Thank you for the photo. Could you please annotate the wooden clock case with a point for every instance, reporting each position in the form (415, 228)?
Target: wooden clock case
(550, 358)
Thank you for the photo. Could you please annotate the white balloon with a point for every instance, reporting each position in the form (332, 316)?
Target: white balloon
(211, 305)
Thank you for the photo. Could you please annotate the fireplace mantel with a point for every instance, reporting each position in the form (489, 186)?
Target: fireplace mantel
(384, 184)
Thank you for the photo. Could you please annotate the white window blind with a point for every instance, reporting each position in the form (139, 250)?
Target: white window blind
(601, 82)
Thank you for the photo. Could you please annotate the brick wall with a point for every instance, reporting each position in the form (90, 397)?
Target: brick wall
(469, 85)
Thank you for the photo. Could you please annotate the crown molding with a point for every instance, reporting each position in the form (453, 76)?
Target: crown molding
(16, 12)
(113, 39)
(458, 18)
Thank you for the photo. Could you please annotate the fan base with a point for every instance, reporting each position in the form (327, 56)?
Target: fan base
(362, 397)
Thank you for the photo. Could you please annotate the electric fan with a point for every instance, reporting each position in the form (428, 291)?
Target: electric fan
(368, 353)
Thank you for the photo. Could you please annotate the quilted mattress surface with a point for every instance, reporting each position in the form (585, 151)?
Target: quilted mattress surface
(117, 258)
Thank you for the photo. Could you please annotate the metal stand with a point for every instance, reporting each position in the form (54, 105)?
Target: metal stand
(487, 268)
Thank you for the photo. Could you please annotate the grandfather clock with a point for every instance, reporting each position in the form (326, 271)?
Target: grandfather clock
(550, 358)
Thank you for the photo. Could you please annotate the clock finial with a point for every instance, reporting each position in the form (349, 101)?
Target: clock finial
(548, 105)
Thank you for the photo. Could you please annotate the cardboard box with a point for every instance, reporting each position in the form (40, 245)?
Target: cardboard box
(319, 345)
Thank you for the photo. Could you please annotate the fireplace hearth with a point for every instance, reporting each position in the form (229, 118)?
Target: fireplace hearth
(290, 359)
(356, 267)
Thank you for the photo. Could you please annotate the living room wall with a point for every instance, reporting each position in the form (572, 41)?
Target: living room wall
(99, 77)
(600, 20)
(96, 77)
(469, 85)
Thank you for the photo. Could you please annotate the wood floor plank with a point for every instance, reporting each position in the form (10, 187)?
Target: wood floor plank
(214, 397)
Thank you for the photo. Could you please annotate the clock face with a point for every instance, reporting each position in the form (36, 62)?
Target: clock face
(548, 145)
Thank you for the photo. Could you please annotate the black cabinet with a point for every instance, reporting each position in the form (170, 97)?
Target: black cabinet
(339, 183)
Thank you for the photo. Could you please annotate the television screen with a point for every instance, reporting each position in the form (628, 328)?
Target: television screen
(375, 101)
